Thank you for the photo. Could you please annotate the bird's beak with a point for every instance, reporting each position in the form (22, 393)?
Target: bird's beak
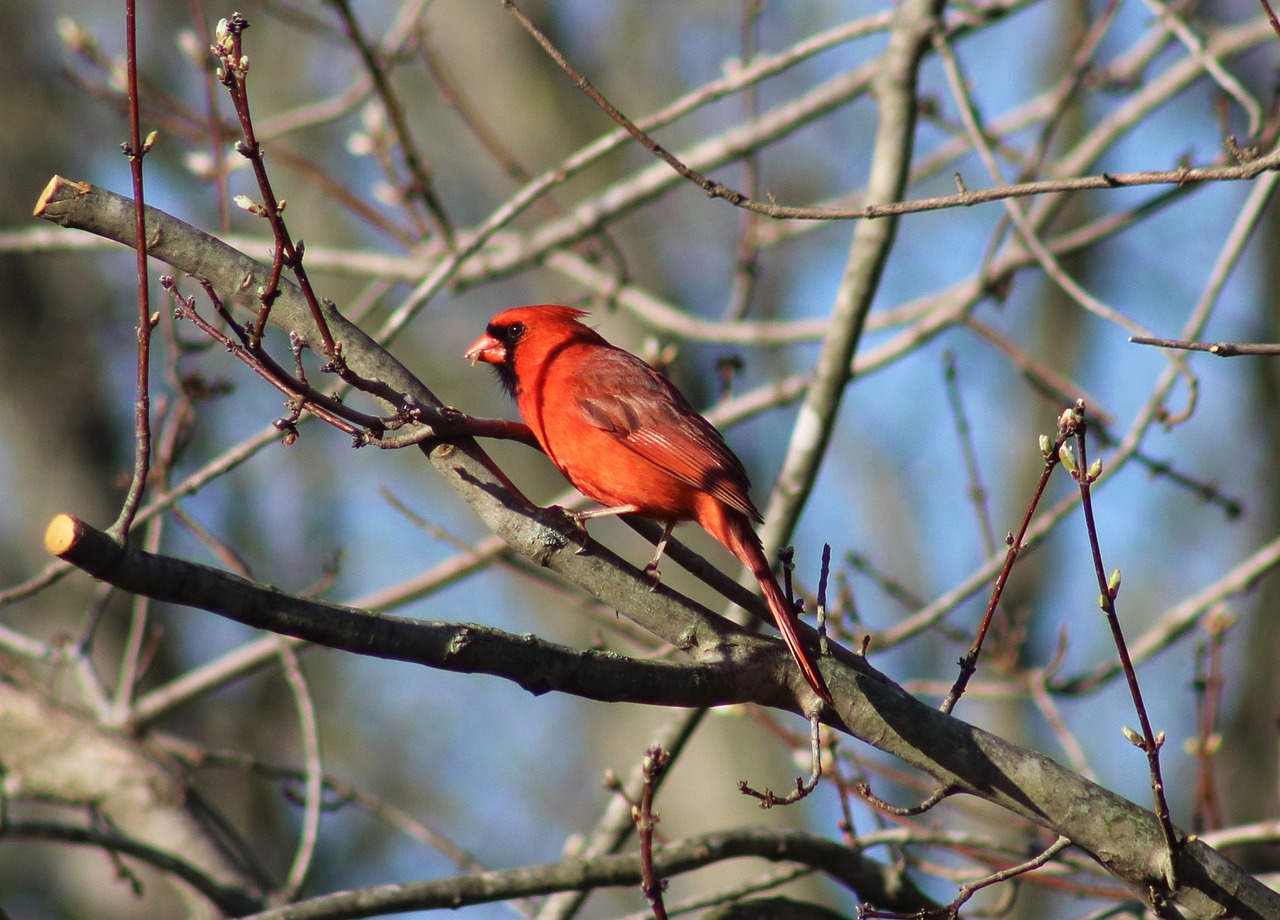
(486, 349)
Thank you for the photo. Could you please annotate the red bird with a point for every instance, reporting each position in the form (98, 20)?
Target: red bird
(628, 439)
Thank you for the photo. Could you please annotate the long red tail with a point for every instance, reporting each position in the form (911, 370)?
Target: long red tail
(741, 540)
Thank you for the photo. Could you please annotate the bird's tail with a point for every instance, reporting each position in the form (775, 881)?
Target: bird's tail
(741, 540)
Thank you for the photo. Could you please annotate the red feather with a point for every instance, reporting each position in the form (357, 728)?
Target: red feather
(628, 439)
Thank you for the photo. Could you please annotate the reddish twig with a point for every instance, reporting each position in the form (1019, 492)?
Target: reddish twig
(135, 149)
(967, 891)
(1271, 17)
(233, 71)
(969, 663)
(1205, 746)
(364, 429)
(1073, 423)
(655, 762)
(768, 798)
(301, 397)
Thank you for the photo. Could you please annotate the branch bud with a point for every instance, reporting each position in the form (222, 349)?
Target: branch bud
(1068, 458)
(245, 203)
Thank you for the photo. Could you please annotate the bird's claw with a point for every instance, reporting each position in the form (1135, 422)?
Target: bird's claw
(576, 518)
(655, 576)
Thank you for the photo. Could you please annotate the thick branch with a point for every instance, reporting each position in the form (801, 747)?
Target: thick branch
(536, 665)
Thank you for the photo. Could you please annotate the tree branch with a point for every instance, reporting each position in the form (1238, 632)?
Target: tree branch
(1116, 832)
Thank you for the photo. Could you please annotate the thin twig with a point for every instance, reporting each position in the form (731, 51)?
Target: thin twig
(1271, 16)
(135, 149)
(1109, 587)
(804, 787)
(747, 258)
(1173, 21)
(1015, 542)
(969, 890)
(1208, 684)
(233, 73)
(976, 492)
(908, 811)
(309, 836)
(651, 884)
(1221, 349)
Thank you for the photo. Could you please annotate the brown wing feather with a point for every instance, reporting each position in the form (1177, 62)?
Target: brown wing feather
(618, 393)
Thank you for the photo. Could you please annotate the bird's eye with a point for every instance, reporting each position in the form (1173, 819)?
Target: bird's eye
(513, 332)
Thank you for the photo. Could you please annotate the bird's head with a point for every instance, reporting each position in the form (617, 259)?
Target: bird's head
(506, 332)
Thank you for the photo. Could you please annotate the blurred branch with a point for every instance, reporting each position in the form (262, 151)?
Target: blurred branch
(870, 880)
(55, 755)
(309, 834)
(893, 82)
(1221, 349)
(229, 900)
(421, 186)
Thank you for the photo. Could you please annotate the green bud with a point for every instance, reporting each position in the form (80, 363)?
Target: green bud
(1068, 458)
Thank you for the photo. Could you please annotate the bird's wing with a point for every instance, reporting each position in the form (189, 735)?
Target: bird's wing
(619, 393)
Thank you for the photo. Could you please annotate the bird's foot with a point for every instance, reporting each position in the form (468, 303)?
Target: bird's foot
(576, 519)
(655, 576)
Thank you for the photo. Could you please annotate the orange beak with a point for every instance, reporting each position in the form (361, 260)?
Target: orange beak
(486, 349)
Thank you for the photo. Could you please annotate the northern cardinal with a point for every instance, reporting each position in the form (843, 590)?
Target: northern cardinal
(628, 439)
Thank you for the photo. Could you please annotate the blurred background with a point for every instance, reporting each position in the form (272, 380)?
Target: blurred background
(971, 352)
